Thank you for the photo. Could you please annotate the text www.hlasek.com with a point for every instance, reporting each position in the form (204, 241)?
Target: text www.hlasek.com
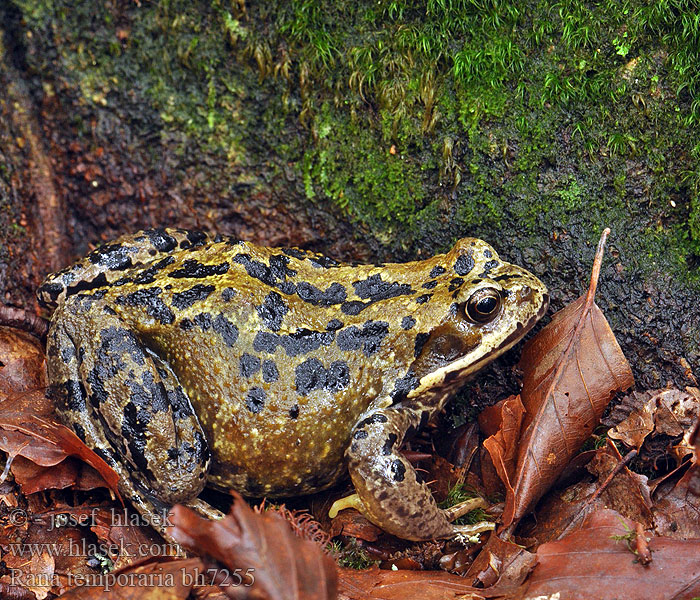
(84, 548)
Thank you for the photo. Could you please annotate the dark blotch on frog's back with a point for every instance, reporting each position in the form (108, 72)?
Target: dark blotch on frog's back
(269, 371)
(294, 412)
(369, 338)
(194, 269)
(296, 253)
(407, 322)
(302, 341)
(273, 275)
(227, 330)
(196, 293)
(313, 375)
(423, 298)
(114, 257)
(148, 275)
(353, 307)
(255, 399)
(464, 264)
(249, 365)
(228, 294)
(491, 264)
(389, 444)
(194, 239)
(436, 271)
(160, 240)
(272, 311)
(376, 289)
(335, 293)
(334, 325)
(429, 285)
(220, 324)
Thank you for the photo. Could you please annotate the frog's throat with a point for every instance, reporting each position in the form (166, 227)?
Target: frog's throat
(457, 371)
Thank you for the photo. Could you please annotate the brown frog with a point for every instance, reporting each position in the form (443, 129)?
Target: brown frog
(183, 358)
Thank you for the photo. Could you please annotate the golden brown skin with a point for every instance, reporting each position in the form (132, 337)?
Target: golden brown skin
(182, 357)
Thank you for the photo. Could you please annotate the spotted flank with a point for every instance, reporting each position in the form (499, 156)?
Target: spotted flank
(184, 358)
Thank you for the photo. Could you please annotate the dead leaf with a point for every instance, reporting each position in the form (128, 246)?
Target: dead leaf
(669, 412)
(506, 418)
(592, 563)
(500, 562)
(677, 512)
(47, 443)
(352, 523)
(627, 492)
(572, 369)
(22, 363)
(262, 545)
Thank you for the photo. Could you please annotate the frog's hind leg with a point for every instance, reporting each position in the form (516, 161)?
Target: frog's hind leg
(386, 482)
(127, 405)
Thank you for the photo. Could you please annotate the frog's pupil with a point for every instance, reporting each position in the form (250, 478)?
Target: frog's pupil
(487, 305)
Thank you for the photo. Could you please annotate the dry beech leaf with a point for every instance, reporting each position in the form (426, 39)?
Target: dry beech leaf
(500, 562)
(22, 364)
(47, 443)
(378, 584)
(284, 566)
(502, 446)
(677, 513)
(669, 411)
(572, 369)
(593, 562)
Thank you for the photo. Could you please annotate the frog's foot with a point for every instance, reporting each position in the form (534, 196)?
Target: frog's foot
(386, 483)
(204, 509)
(127, 405)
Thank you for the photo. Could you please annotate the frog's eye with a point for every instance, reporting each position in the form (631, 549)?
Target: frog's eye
(484, 305)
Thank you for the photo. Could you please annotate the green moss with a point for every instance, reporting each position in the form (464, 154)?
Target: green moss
(383, 188)
(501, 114)
(350, 555)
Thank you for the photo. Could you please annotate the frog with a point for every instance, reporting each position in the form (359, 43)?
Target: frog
(184, 358)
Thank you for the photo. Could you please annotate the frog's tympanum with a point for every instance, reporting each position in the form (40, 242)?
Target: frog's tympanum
(182, 358)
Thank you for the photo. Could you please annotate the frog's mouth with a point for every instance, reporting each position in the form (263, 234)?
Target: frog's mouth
(454, 374)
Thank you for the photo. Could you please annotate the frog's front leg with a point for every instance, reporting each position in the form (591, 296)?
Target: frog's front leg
(386, 482)
(126, 404)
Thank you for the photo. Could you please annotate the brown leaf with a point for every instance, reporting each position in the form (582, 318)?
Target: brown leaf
(506, 417)
(47, 443)
(352, 523)
(377, 584)
(677, 512)
(572, 369)
(22, 365)
(669, 412)
(591, 563)
(501, 562)
(284, 566)
(627, 492)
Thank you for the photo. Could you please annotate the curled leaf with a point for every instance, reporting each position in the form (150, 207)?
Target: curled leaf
(572, 369)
